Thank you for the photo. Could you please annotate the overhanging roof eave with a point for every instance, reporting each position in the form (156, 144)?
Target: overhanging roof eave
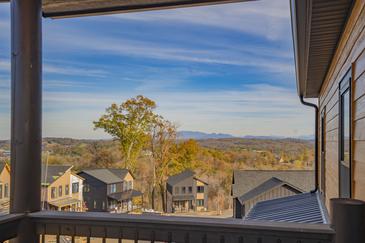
(100, 8)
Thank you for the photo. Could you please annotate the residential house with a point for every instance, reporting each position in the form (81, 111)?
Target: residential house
(110, 190)
(4, 187)
(185, 192)
(252, 186)
(61, 189)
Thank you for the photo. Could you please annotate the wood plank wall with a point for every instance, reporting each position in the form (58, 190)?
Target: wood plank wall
(349, 54)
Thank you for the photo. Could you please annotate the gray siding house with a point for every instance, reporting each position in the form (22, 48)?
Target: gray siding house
(185, 192)
(109, 190)
(252, 186)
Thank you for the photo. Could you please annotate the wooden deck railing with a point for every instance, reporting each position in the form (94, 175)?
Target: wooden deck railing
(153, 228)
(9, 225)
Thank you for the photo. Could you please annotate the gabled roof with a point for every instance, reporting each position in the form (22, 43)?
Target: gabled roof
(246, 180)
(271, 183)
(2, 165)
(301, 208)
(173, 180)
(317, 27)
(121, 172)
(108, 176)
(53, 172)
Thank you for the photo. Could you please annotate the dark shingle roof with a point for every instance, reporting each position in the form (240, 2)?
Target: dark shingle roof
(108, 176)
(2, 165)
(172, 180)
(53, 172)
(119, 172)
(265, 186)
(246, 180)
(301, 208)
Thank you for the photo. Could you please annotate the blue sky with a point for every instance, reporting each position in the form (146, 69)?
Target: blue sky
(225, 68)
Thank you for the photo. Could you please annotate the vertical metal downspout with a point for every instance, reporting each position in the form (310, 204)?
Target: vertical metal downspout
(26, 113)
(316, 165)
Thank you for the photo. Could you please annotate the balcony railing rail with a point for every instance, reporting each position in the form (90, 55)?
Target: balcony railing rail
(9, 225)
(153, 228)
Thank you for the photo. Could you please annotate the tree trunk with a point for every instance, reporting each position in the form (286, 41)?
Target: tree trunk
(153, 198)
(128, 159)
(163, 199)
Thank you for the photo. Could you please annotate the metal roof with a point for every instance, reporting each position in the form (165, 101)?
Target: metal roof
(71, 8)
(317, 27)
(245, 180)
(266, 186)
(301, 208)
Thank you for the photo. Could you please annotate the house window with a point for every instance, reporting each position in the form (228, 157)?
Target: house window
(183, 191)
(130, 185)
(53, 192)
(177, 190)
(113, 188)
(75, 187)
(200, 189)
(6, 190)
(94, 204)
(1, 191)
(345, 137)
(86, 188)
(60, 191)
(67, 189)
(200, 203)
(190, 189)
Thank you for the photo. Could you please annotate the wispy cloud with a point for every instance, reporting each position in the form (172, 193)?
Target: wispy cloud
(73, 71)
(62, 69)
(255, 109)
(268, 19)
(125, 47)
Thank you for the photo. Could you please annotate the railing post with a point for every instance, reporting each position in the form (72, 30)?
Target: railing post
(26, 112)
(348, 220)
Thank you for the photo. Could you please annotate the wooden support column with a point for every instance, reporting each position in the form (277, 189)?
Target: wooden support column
(26, 112)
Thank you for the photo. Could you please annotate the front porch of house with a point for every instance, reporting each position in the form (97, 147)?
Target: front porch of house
(64, 204)
(182, 206)
(126, 201)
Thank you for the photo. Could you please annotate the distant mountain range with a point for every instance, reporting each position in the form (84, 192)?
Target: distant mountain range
(203, 135)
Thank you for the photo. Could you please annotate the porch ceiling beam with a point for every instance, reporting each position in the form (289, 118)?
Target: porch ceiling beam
(67, 8)
(76, 8)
